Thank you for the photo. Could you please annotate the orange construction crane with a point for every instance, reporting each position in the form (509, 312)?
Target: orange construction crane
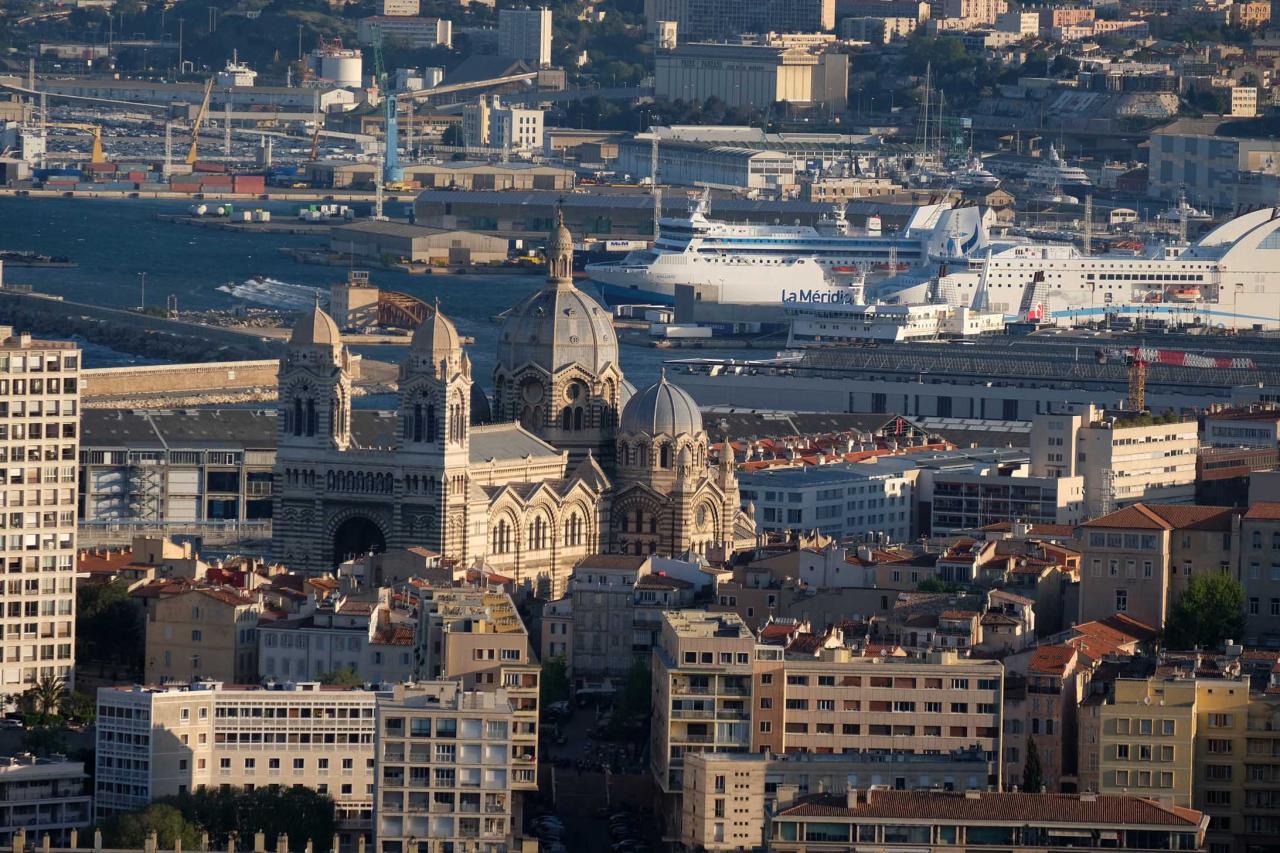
(192, 154)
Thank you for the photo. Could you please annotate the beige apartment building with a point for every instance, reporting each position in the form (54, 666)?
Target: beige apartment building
(1209, 743)
(716, 691)
(443, 773)
(1123, 460)
(1139, 560)
(39, 439)
(203, 632)
(728, 797)
(476, 637)
(836, 702)
(160, 741)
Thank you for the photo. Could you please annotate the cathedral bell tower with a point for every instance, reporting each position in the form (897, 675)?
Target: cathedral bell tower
(434, 434)
(315, 386)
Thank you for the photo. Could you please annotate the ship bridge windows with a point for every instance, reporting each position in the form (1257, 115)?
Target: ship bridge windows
(1271, 241)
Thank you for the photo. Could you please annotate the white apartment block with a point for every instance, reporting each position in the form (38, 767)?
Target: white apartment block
(39, 438)
(413, 31)
(525, 34)
(344, 633)
(1123, 459)
(43, 796)
(161, 741)
(444, 770)
(843, 500)
(515, 128)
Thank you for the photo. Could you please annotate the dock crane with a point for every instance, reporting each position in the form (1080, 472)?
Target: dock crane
(192, 155)
(97, 155)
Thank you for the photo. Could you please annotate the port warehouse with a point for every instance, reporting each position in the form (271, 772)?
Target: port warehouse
(342, 174)
(314, 99)
(374, 239)
(1004, 378)
(622, 216)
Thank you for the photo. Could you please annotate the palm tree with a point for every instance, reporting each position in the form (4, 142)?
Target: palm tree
(47, 695)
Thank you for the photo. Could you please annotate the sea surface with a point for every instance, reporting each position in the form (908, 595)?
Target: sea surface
(114, 240)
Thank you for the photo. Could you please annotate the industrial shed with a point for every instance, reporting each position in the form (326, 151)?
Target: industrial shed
(416, 243)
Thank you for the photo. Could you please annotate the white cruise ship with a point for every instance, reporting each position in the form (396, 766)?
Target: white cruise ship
(1229, 278)
(755, 264)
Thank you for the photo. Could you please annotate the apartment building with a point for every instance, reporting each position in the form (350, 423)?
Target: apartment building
(40, 392)
(717, 20)
(832, 701)
(443, 770)
(1257, 425)
(728, 797)
(475, 637)
(1040, 708)
(1204, 742)
(716, 690)
(614, 609)
(881, 821)
(1123, 459)
(161, 741)
(970, 500)
(1260, 573)
(43, 796)
(202, 632)
(1139, 560)
(362, 633)
(841, 500)
(525, 34)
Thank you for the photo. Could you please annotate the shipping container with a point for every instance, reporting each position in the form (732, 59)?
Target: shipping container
(672, 330)
(209, 167)
(100, 168)
(184, 187)
(250, 184)
(137, 177)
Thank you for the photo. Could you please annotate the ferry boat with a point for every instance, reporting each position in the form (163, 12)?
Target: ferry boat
(746, 263)
(1229, 278)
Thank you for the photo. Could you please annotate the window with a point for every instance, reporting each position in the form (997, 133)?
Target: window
(1122, 600)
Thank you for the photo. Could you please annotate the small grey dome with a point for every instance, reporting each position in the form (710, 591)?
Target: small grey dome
(662, 409)
(315, 328)
(436, 337)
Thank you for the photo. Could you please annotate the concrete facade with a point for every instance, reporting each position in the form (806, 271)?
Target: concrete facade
(40, 392)
(752, 75)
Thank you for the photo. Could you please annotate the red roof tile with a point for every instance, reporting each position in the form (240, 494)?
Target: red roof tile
(1264, 511)
(1051, 660)
(1166, 517)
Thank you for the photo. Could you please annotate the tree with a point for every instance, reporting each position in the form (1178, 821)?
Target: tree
(47, 695)
(300, 813)
(555, 681)
(345, 677)
(937, 585)
(79, 707)
(1209, 612)
(109, 628)
(452, 136)
(633, 702)
(130, 830)
(1032, 774)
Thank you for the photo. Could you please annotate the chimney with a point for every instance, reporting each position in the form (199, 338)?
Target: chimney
(851, 797)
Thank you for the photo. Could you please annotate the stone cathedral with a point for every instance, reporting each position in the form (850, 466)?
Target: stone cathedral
(567, 461)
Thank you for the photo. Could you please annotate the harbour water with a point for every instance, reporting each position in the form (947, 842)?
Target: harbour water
(112, 241)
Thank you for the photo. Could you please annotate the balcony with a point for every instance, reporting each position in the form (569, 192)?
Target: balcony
(692, 714)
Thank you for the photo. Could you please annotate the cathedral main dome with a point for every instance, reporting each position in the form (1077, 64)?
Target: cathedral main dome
(557, 327)
(662, 409)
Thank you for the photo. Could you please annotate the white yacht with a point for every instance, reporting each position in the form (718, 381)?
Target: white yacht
(1056, 173)
(750, 264)
(1229, 278)
(977, 176)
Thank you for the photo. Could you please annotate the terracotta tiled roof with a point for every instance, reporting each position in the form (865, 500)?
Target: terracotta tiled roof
(1127, 625)
(1012, 597)
(1051, 660)
(1264, 511)
(805, 644)
(1166, 517)
(399, 635)
(957, 614)
(226, 595)
(662, 582)
(993, 617)
(1004, 808)
(108, 561)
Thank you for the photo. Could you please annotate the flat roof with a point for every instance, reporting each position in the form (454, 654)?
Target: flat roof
(815, 475)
